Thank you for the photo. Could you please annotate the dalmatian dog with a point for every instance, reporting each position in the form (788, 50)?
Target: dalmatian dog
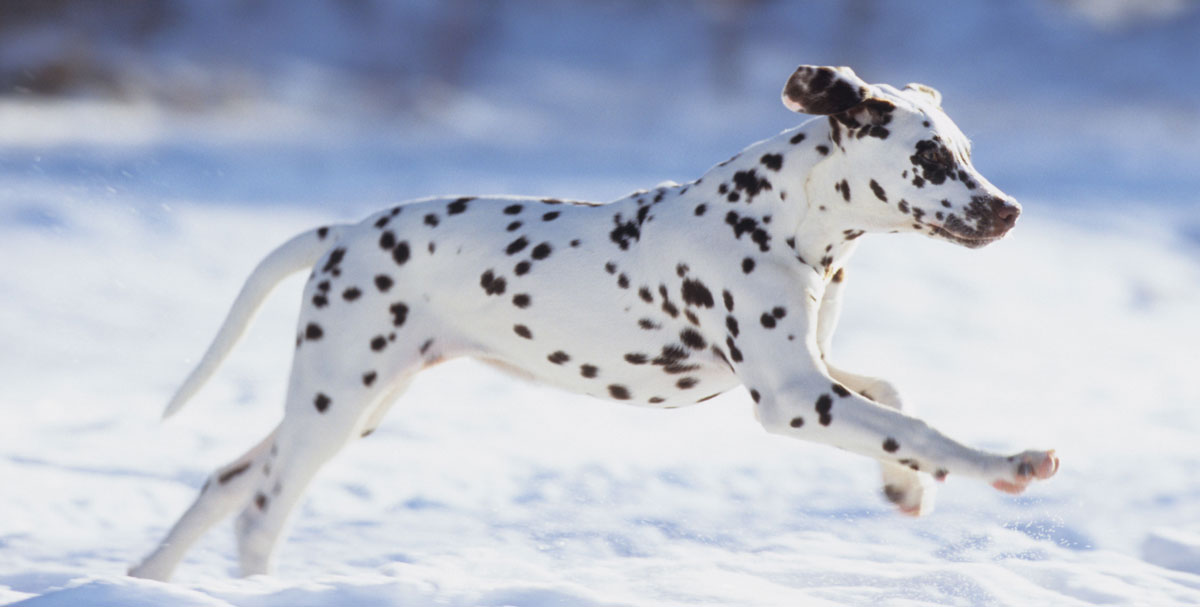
(663, 298)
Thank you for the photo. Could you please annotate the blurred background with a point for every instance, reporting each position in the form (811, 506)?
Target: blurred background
(349, 103)
(152, 151)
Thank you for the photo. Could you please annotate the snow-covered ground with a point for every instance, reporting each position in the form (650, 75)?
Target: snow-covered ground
(126, 230)
(1077, 334)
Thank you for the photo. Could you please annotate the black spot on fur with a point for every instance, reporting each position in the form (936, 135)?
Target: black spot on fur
(671, 354)
(692, 339)
(231, 473)
(559, 357)
(588, 371)
(400, 253)
(541, 251)
(516, 246)
(313, 332)
(425, 346)
(642, 214)
(322, 232)
(878, 190)
(458, 206)
(521, 300)
(731, 323)
(823, 407)
(796, 422)
(840, 390)
(734, 353)
(322, 402)
(383, 282)
(523, 331)
(648, 324)
(772, 161)
(646, 295)
(767, 320)
(431, 220)
(696, 294)
(513, 227)
(399, 314)
(512, 209)
(522, 268)
(368, 378)
(260, 501)
(728, 300)
(750, 183)
(624, 232)
(636, 358)
(619, 392)
(744, 225)
(675, 368)
(492, 285)
(700, 209)
(551, 216)
(686, 383)
(747, 265)
(387, 240)
(351, 294)
(754, 395)
(823, 150)
(335, 258)
(797, 138)
(378, 343)
(890, 445)
(623, 281)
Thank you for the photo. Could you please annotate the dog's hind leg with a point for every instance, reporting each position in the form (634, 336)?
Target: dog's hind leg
(332, 400)
(306, 441)
(226, 490)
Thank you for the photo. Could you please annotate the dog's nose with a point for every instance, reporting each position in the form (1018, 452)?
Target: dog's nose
(1006, 211)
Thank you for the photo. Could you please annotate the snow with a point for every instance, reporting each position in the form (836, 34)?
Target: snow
(481, 490)
(127, 228)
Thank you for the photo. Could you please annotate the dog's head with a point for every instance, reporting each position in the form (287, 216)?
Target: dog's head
(903, 165)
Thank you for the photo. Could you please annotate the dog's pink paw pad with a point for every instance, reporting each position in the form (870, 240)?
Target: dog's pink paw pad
(1030, 466)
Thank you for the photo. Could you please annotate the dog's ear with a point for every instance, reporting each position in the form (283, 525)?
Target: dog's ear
(824, 90)
(925, 90)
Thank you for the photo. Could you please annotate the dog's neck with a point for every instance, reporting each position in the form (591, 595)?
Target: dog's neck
(786, 185)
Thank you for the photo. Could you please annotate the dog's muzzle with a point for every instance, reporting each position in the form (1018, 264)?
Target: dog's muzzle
(986, 220)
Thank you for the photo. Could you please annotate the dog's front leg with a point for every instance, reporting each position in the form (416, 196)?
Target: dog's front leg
(778, 358)
(911, 491)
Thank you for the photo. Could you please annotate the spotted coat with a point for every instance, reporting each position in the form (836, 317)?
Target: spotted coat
(663, 298)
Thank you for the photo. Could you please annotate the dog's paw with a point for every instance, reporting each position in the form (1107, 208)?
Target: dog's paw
(151, 569)
(912, 492)
(1024, 468)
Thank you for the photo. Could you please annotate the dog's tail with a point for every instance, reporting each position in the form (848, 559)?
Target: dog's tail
(293, 256)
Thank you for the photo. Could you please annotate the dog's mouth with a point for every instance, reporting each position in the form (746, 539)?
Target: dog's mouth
(985, 227)
(971, 240)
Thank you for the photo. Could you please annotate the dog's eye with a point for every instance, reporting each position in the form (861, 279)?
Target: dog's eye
(935, 157)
